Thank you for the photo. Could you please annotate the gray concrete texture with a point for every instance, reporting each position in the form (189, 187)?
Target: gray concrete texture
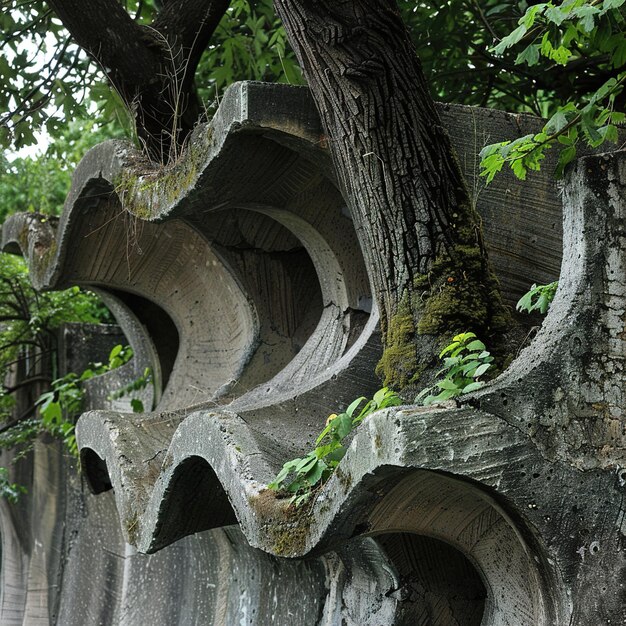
(236, 274)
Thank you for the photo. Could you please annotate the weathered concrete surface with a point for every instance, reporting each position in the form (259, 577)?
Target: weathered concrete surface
(245, 285)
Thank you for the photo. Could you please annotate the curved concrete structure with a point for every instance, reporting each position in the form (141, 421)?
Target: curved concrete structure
(237, 274)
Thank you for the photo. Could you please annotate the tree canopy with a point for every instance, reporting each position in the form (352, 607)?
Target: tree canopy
(564, 57)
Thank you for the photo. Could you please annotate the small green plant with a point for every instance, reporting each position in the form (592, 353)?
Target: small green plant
(300, 477)
(10, 491)
(466, 361)
(538, 298)
(139, 383)
(58, 409)
(59, 406)
(566, 33)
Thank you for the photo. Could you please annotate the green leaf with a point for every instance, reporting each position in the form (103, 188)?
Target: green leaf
(528, 19)
(556, 15)
(446, 383)
(353, 405)
(587, 15)
(476, 345)
(115, 351)
(565, 156)
(530, 55)
(344, 425)
(510, 40)
(446, 394)
(136, 405)
(481, 369)
(51, 413)
(449, 348)
(556, 123)
(336, 455)
(87, 374)
(306, 463)
(560, 55)
(314, 475)
(380, 395)
(519, 168)
(472, 387)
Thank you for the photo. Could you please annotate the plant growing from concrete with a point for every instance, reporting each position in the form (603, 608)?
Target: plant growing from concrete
(60, 406)
(8, 490)
(300, 477)
(537, 298)
(466, 361)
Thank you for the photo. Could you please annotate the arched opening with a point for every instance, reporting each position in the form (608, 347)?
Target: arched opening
(438, 585)
(431, 513)
(159, 326)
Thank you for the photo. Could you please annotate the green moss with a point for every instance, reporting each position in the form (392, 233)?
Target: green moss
(287, 526)
(291, 540)
(398, 363)
(145, 187)
(289, 535)
(464, 295)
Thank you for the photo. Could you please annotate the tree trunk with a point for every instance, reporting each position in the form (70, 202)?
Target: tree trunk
(419, 231)
(151, 67)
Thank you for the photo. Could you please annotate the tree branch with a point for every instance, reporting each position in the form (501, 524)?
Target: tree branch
(111, 37)
(26, 382)
(190, 23)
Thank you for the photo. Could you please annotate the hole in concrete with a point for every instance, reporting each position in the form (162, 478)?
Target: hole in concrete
(438, 584)
(160, 327)
(307, 281)
(516, 577)
(95, 470)
(194, 501)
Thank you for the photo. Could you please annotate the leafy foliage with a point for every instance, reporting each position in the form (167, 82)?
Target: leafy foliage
(60, 406)
(10, 491)
(136, 385)
(465, 361)
(46, 79)
(300, 476)
(567, 34)
(537, 63)
(40, 184)
(28, 319)
(538, 298)
(58, 409)
(249, 44)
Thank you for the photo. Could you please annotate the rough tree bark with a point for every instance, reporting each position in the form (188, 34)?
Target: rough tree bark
(151, 67)
(418, 228)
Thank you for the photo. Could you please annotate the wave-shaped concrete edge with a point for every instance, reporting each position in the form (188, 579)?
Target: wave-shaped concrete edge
(453, 445)
(239, 467)
(284, 114)
(213, 473)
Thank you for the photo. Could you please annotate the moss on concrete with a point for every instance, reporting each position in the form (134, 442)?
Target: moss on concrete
(287, 526)
(145, 187)
(290, 539)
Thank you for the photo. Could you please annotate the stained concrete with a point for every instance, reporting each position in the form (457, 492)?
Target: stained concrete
(261, 323)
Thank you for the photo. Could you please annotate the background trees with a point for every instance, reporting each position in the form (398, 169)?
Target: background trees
(51, 80)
